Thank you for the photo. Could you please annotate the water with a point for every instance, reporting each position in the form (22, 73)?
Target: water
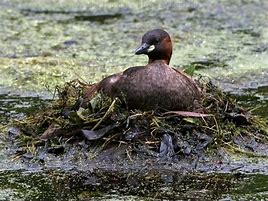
(44, 44)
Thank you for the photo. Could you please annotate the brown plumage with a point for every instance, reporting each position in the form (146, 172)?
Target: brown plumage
(155, 85)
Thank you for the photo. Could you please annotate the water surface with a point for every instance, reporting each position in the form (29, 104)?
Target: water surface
(46, 43)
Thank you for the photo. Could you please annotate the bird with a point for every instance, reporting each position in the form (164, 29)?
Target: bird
(154, 86)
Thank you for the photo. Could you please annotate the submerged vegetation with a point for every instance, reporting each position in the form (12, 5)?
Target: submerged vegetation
(104, 123)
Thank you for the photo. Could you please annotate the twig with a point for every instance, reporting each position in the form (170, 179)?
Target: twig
(110, 109)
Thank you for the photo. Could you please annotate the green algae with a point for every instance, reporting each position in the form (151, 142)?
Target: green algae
(63, 185)
(40, 73)
(201, 31)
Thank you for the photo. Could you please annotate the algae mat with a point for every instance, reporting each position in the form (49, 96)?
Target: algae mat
(227, 40)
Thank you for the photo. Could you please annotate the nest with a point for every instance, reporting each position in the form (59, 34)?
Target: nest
(106, 122)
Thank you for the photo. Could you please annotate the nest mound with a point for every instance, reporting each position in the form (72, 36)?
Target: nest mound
(106, 122)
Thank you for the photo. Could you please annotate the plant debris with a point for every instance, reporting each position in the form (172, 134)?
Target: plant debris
(106, 123)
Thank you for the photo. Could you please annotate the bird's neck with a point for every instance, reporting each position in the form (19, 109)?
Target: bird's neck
(163, 57)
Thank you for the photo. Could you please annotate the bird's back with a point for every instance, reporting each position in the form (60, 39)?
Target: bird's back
(153, 86)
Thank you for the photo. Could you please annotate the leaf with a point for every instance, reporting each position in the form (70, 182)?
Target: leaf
(166, 146)
(52, 131)
(76, 116)
(188, 114)
(239, 119)
(190, 120)
(96, 134)
(81, 113)
(190, 70)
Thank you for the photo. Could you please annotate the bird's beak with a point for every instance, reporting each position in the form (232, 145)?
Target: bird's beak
(143, 49)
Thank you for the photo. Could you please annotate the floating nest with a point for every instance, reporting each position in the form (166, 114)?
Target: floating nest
(106, 123)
